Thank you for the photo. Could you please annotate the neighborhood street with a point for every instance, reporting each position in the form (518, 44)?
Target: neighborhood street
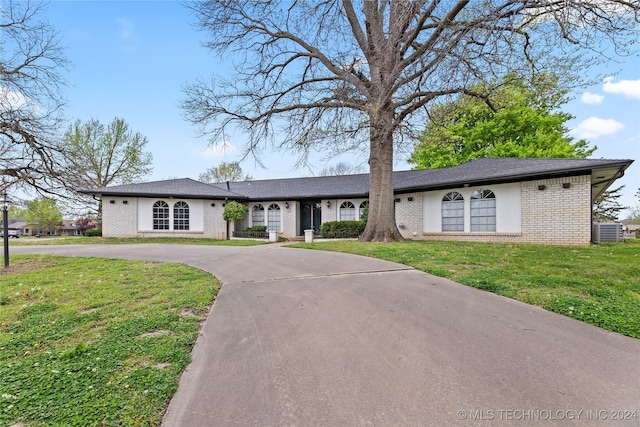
(313, 338)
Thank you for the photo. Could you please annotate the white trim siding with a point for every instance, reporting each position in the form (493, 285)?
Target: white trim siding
(145, 214)
(508, 208)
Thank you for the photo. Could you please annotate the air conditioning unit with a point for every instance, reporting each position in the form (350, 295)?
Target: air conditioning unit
(606, 232)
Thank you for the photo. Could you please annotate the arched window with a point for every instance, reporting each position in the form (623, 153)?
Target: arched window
(257, 215)
(160, 215)
(181, 216)
(347, 211)
(363, 206)
(483, 210)
(453, 212)
(273, 217)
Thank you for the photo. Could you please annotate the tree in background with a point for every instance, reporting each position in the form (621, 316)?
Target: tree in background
(99, 156)
(522, 120)
(339, 75)
(340, 168)
(607, 207)
(633, 216)
(224, 172)
(84, 224)
(43, 214)
(31, 66)
(18, 211)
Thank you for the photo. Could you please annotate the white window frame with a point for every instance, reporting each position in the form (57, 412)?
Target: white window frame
(274, 217)
(181, 216)
(482, 210)
(347, 211)
(258, 215)
(452, 210)
(161, 215)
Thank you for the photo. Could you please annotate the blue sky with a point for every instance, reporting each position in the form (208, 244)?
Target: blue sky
(130, 60)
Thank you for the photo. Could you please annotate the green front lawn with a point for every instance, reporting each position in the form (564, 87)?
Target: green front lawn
(96, 342)
(59, 240)
(102, 342)
(598, 284)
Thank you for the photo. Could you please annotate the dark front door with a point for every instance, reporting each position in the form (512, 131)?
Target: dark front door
(310, 214)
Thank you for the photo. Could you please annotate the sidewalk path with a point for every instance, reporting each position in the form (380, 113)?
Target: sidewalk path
(311, 338)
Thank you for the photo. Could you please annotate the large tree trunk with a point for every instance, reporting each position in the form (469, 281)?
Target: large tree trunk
(381, 222)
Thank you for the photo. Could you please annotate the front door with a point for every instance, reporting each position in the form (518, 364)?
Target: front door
(310, 213)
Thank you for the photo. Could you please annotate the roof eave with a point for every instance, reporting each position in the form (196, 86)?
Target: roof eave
(578, 171)
(167, 195)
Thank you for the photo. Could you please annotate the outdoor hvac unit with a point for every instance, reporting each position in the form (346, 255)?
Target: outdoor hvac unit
(606, 232)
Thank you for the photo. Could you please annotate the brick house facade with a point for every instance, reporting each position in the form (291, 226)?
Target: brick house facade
(545, 201)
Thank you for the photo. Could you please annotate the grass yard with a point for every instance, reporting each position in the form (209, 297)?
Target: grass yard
(80, 240)
(598, 284)
(96, 342)
(102, 342)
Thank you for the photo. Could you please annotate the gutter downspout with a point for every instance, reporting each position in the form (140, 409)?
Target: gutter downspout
(591, 215)
(226, 200)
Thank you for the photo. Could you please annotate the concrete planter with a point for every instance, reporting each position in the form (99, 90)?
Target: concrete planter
(308, 236)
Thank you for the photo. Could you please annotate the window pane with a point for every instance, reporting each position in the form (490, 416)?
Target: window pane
(453, 212)
(160, 216)
(257, 215)
(181, 216)
(483, 210)
(273, 218)
(347, 211)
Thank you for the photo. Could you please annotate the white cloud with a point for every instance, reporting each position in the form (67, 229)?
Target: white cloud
(127, 29)
(591, 98)
(10, 100)
(595, 127)
(127, 35)
(628, 88)
(216, 150)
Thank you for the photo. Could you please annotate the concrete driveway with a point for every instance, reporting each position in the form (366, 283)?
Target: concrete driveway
(311, 338)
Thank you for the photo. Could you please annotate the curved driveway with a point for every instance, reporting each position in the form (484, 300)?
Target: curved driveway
(311, 338)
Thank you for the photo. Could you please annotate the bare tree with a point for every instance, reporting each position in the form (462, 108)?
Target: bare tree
(340, 168)
(31, 66)
(607, 207)
(339, 75)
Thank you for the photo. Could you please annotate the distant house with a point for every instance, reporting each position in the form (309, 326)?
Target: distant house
(631, 230)
(489, 200)
(67, 228)
(17, 224)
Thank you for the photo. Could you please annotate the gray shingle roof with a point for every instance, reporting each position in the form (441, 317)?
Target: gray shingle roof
(477, 172)
(487, 171)
(301, 188)
(183, 187)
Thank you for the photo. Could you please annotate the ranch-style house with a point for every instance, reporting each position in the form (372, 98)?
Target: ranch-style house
(490, 200)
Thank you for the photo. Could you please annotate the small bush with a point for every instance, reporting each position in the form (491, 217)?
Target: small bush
(94, 232)
(234, 211)
(342, 229)
(257, 229)
(364, 213)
